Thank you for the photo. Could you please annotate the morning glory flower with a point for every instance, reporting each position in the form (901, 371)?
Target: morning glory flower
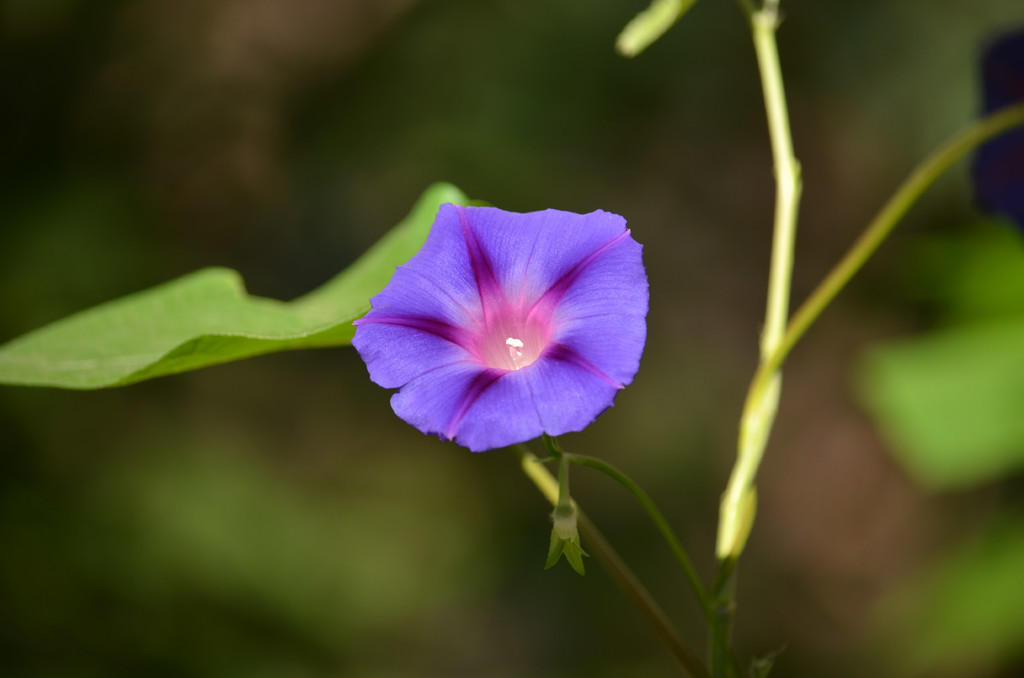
(506, 326)
(998, 170)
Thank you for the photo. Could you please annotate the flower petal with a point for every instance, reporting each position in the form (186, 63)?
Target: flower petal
(611, 280)
(440, 280)
(602, 315)
(397, 353)
(423, 318)
(439, 401)
(415, 294)
(554, 395)
(610, 344)
(530, 252)
(568, 393)
(503, 414)
(998, 168)
(568, 291)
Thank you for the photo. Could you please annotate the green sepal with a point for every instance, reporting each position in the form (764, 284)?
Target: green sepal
(570, 548)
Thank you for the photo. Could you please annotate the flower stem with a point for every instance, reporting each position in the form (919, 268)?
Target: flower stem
(919, 180)
(620, 573)
(659, 521)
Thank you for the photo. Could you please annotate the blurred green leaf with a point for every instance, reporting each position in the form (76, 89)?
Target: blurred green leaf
(323, 562)
(649, 25)
(207, 318)
(951, 402)
(980, 275)
(964, 616)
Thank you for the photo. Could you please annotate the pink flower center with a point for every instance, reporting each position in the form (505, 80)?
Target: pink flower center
(512, 343)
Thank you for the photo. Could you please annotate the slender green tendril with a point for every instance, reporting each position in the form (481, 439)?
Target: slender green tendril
(919, 180)
(658, 518)
(616, 568)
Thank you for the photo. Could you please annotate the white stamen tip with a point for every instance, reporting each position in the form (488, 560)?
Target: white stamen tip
(515, 351)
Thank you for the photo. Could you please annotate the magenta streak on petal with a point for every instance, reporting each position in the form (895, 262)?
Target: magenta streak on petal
(566, 354)
(486, 281)
(480, 383)
(438, 328)
(545, 306)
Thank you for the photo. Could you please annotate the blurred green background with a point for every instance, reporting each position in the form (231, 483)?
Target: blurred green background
(273, 518)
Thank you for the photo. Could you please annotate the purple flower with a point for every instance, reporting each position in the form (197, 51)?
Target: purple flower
(505, 326)
(998, 170)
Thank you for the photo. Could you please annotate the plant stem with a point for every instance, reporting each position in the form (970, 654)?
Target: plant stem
(659, 521)
(564, 497)
(722, 592)
(919, 180)
(620, 573)
(739, 499)
(761, 403)
(787, 179)
(759, 413)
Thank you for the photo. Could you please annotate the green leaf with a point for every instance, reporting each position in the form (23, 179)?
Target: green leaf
(649, 25)
(963, 617)
(951, 403)
(207, 318)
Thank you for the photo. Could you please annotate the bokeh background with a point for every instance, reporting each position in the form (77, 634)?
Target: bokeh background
(272, 517)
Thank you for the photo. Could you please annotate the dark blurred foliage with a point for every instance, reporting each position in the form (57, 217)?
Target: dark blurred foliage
(998, 170)
(272, 517)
